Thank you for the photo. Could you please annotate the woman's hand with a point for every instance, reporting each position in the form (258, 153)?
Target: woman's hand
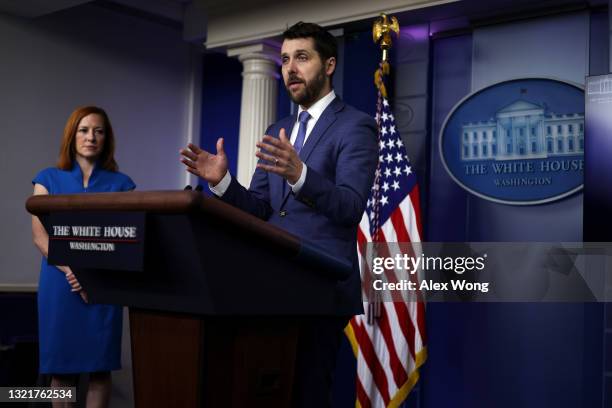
(74, 283)
(75, 286)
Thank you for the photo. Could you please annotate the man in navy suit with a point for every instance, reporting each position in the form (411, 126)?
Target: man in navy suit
(313, 178)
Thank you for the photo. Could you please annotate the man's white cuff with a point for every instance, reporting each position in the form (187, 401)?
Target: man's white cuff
(298, 184)
(222, 186)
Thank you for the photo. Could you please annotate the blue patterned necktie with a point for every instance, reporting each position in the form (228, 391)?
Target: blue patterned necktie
(299, 140)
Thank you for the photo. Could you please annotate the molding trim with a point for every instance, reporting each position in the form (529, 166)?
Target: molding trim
(16, 288)
(256, 22)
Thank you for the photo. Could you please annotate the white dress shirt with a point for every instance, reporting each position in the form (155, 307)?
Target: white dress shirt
(315, 112)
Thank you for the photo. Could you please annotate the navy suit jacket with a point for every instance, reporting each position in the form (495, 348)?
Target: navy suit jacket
(341, 154)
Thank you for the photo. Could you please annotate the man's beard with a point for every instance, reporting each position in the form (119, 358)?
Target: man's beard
(311, 90)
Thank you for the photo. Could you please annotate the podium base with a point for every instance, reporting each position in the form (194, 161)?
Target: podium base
(184, 360)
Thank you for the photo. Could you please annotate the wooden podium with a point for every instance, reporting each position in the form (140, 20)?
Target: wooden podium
(216, 309)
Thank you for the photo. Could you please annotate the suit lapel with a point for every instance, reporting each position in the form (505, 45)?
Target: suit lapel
(325, 120)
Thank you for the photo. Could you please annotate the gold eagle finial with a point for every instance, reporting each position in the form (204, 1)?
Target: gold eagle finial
(381, 32)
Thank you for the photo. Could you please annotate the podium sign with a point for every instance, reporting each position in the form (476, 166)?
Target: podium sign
(113, 241)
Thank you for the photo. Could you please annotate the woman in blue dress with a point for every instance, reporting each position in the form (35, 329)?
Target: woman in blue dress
(77, 337)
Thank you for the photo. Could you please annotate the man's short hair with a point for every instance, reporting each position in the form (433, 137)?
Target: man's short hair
(324, 43)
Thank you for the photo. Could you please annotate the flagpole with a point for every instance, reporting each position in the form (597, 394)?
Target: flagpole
(382, 30)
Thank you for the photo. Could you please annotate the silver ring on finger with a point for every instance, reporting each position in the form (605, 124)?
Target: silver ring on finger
(276, 162)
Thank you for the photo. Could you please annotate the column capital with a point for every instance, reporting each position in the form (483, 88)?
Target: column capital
(268, 50)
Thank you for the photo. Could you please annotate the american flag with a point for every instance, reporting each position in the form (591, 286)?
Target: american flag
(389, 340)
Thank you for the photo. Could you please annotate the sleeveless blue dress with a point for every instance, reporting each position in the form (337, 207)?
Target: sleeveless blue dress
(76, 337)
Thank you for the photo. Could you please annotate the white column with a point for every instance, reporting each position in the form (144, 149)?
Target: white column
(259, 99)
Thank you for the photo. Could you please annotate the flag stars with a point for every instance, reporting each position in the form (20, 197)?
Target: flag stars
(377, 173)
(393, 166)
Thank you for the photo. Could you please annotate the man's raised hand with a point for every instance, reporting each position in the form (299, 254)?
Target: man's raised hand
(210, 167)
(281, 157)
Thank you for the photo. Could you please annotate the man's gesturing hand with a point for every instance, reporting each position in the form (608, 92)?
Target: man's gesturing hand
(210, 167)
(281, 157)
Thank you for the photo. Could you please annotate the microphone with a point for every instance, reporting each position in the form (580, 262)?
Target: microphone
(188, 187)
(199, 187)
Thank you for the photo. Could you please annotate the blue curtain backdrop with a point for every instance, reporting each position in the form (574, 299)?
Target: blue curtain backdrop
(221, 92)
